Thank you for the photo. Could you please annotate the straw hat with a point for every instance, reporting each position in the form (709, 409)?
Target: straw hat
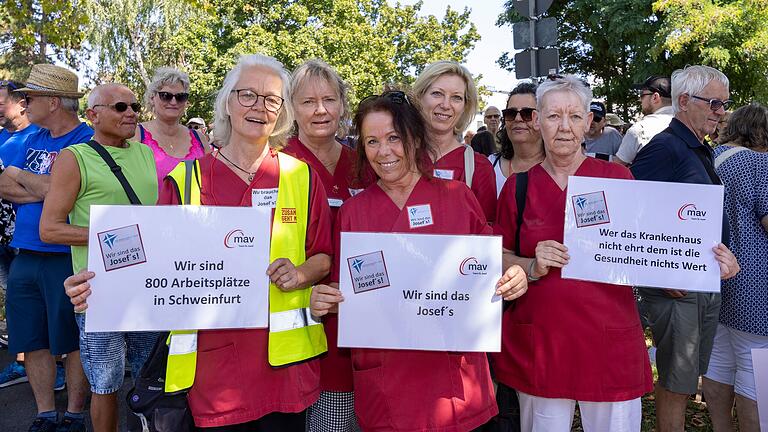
(614, 120)
(51, 80)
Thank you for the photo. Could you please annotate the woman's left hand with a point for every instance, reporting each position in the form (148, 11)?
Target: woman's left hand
(513, 283)
(729, 266)
(283, 273)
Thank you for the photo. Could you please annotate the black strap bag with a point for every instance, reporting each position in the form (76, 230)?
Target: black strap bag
(157, 410)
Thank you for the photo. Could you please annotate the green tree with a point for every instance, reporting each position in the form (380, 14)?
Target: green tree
(608, 40)
(369, 42)
(38, 31)
(731, 36)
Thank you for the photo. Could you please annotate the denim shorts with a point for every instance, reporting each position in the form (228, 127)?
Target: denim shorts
(103, 355)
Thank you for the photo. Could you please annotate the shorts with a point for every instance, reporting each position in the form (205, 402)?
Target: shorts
(103, 356)
(39, 313)
(683, 332)
(731, 361)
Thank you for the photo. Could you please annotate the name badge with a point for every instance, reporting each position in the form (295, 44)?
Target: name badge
(264, 198)
(420, 216)
(335, 202)
(353, 192)
(444, 174)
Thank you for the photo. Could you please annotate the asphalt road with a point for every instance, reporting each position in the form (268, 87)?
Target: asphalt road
(17, 404)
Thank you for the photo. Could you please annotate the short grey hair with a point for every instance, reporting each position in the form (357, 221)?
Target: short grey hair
(222, 129)
(95, 97)
(691, 80)
(70, 104)
(164, 76)
(570, 83)
(435, 70)
(316, 68)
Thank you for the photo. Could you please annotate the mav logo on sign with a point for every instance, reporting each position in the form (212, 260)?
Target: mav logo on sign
(590, 209)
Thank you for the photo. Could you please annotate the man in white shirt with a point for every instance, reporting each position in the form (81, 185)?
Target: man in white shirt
(656, 104)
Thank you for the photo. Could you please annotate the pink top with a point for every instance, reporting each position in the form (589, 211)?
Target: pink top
(166, 163)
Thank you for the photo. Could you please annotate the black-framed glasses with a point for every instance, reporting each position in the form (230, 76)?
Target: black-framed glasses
(248, 98)
(715, 104)
(644, 94)
(168, 96)
(492, 116)
(510, 114)
(196, 126)
(122, 106)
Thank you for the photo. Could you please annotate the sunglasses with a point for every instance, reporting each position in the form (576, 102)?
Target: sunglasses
(248, 98)
(196, 126)
(122, 106)
(167, 96)
(715, 104)
(492, 116)
(510, 114)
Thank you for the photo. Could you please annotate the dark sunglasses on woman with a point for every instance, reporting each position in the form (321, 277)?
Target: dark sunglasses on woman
(167, 96)
(510, 114)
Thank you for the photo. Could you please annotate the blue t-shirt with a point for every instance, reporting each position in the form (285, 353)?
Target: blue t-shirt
(4, 135)
(11, 147)
(37, 156)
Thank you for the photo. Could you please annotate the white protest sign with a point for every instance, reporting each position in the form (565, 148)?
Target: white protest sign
(178, 267)
(650, 234)
(760, 366)
(419, 291)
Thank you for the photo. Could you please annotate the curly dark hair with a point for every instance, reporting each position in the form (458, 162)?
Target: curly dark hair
(507, 151)
(408, 122)
(748, 127)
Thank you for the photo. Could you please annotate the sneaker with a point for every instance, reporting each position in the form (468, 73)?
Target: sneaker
(42, 425)
(69, 424)
(61, 380)
(14, 373)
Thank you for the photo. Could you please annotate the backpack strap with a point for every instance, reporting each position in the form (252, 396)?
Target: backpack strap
(469, 165)
(726, 154)
(116, 170)
(141, 132)
(199, 141)
(521, 192)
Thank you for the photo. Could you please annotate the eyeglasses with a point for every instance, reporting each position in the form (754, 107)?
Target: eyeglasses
(492, 116)
(196, 126)
(644, 94)
(8, 84)
(715, 104)
(167, 96)
(248, 98)
(122, 106)
(510, 114)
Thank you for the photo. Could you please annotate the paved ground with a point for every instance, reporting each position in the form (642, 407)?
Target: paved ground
(17, 404)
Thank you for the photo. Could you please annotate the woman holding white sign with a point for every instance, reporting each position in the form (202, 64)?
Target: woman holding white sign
(254, 379)
(409, 389)
(566, 340)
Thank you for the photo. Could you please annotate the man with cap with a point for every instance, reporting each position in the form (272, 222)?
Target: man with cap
(600, 141)
(41, 320)
(197, 124)
(656, 105)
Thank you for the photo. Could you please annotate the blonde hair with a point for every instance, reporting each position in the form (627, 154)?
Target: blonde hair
(316, 68)
(164, 76)
(435, 70)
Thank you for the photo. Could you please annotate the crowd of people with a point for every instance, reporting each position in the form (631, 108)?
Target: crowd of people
(564, 342)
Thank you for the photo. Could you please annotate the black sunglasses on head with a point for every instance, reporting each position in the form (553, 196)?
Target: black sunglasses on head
(396, 96)
(510, 114)
(122, 106)
(167, 96)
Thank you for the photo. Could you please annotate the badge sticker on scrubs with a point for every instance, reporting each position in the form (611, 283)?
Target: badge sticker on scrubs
(121, 247)
(353, 192)
(420, 216)
(368, 272)
(444, 174)
(335, 202)
(590, 209)
(264, 198)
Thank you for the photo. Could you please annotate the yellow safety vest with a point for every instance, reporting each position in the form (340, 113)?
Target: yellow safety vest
(294, 334)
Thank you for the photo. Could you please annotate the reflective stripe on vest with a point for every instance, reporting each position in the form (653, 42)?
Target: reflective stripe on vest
(294, 334)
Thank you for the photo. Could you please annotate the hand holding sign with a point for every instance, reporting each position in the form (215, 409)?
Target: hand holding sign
(549, 253)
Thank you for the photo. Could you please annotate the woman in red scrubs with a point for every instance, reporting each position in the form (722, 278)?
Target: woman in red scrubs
(448, 98)
(235, 387)
(321, 105)
(407, 390)
(566, 340)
